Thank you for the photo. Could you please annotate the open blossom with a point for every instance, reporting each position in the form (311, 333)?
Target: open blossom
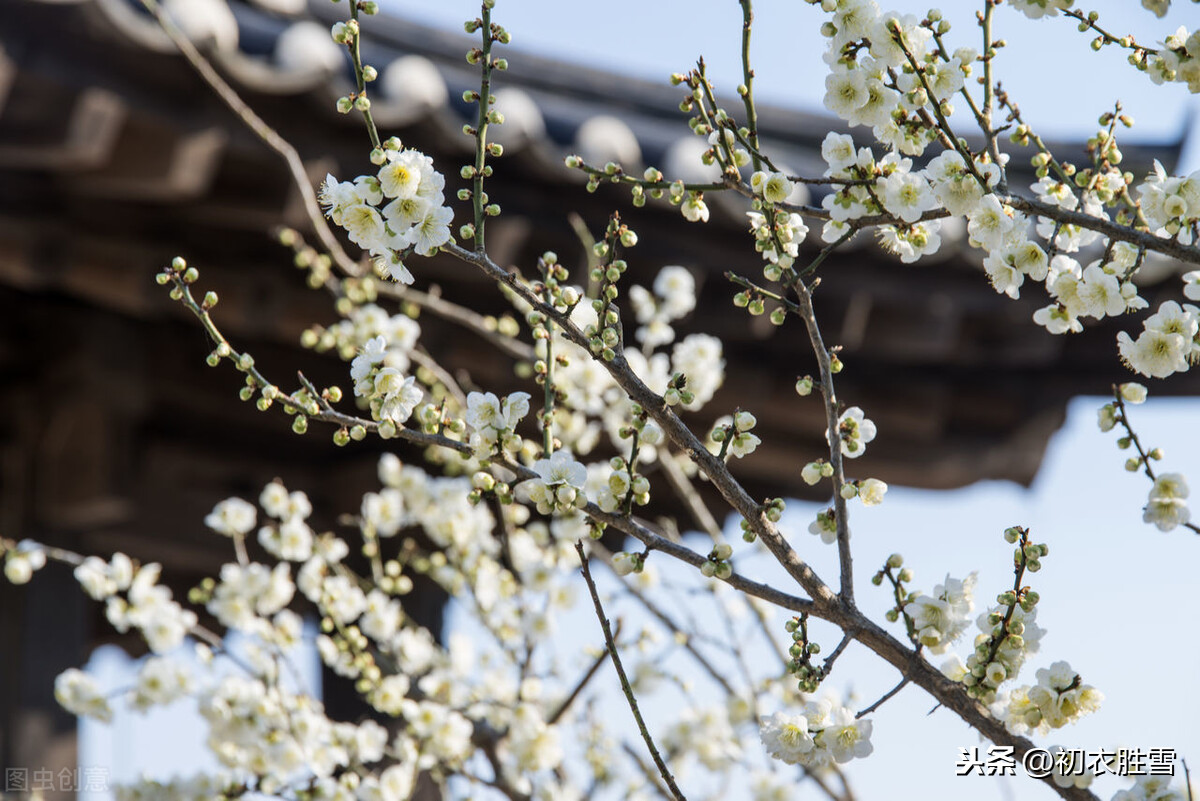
(871, 491)
(854, 432)
(786, 737)
(839, 152)
(159, 682)
(1059, 698)
(232, 517)
(846, 91)
(1154, 353)
(824, 733)
(991, 223)
(941, 618)
(415, 215)
(825, 526)
(1166, 506)
(559, 485)
(397, 395)
(1036, 9)
(77, 692)
(907, 195)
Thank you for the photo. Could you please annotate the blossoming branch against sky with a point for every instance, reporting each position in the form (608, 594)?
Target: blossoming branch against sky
(1080, 536)
(1061, 86)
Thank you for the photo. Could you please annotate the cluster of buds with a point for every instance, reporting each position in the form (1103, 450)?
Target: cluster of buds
(802, 651)
(717, 565)
(1009, 631)
(625, 486)
(607, 337)
(755, 302)
(624, 563)
(814, 471)
(735, 438)
(677, 391)
(898, 575)
(483, 484)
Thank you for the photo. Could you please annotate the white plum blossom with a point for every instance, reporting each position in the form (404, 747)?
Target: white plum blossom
(1166, 507)
(232, 517)
(1036, 9)
(786, 737)
(415, 216)
(694, 208)
(1059, 698)
(825, 733)
(559, 485)
(941, 618)
(907, 195)
(699, 357)
(161, 681)
(78, 693)
(854, 432)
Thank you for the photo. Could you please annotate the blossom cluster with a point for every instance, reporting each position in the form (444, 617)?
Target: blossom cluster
(392, 395)
(134, 599)
(941, 618)
(1059, 698)
(823, 734)
(414, 216)
(1167, 505)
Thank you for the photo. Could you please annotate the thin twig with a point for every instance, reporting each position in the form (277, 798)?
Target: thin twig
(886, 696)
(565, 704)
(663, 770)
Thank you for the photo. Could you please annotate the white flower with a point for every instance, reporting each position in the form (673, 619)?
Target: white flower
(941, 619)
(432, 230)
(699, 357)
(838, 151)
(384, 511)
(990, 223)
(1036, 9)
(786, 737)
(676, 287)
(847, 737)
(825, 526)
(907, 195)
(401, 175)
(559, 485)
(232, 517)
(1154, 353)
(159, 682)
(854, 432)
(1191, 285)
(1100, 293)
(398, 394)
(624, 563)
(1055, 319)
(561, 469)
(871, 491)
(78, 694)
(846, 91)
(694, 208)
